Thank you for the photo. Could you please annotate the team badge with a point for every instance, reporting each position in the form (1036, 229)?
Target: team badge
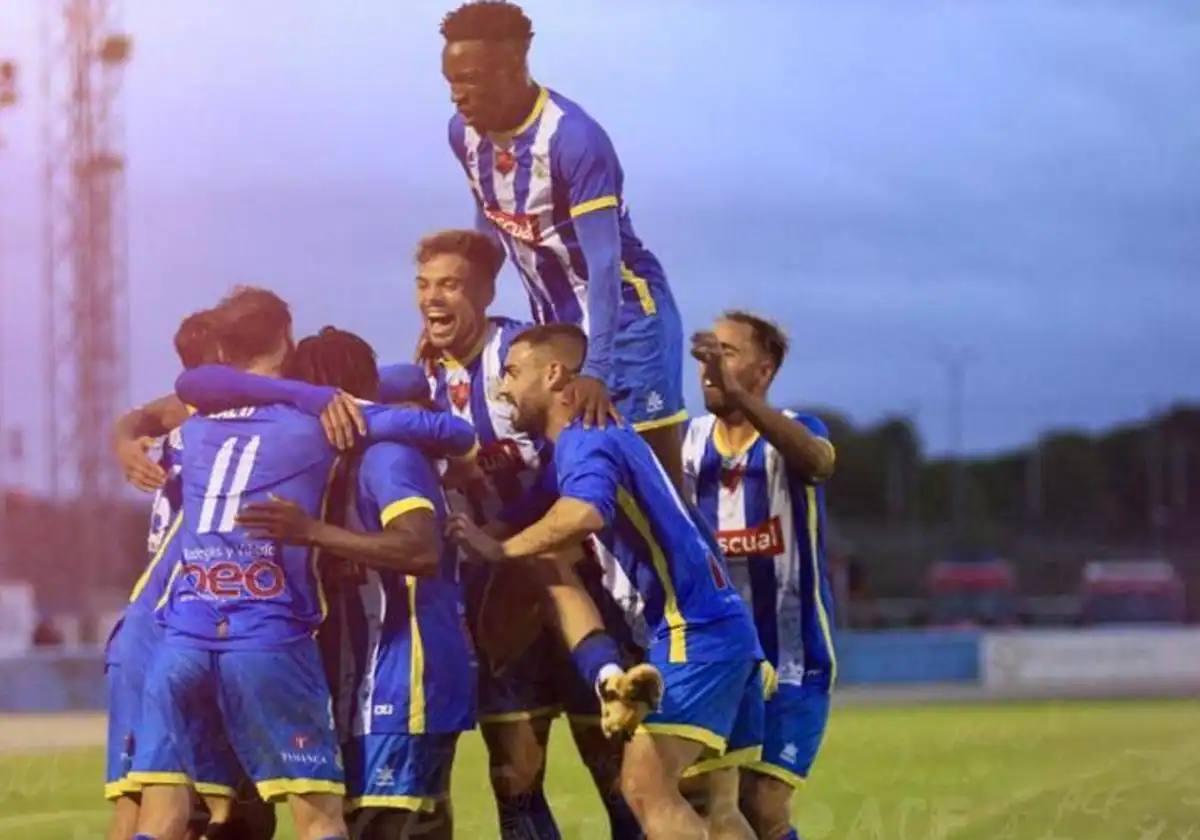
(505, 162)
(460, 394)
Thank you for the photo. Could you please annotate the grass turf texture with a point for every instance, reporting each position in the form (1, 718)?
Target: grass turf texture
(1017, 771)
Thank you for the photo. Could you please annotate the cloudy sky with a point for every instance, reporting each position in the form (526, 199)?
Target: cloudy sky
(893, 182)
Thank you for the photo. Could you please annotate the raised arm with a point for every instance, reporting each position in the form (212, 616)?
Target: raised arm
(212, 388)
(806, 453)
(438, 433)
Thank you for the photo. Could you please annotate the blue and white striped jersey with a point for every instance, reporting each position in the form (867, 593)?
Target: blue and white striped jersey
(770, 525)
(532, 183)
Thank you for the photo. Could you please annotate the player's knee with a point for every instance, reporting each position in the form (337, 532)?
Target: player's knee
(767, 805)
(640, 789)
(381, 824)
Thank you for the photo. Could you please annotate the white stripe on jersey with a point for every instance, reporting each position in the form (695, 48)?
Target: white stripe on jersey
(212, 493)
(241, 477)
(373, 600)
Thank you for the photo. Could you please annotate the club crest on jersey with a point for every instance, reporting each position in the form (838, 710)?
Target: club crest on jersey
(521, 226)
(460, 394)
(505, 161)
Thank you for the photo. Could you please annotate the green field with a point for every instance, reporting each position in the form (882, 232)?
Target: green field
(1018, 771)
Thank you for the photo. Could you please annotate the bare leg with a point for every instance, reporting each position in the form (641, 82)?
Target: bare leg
(767, 804)
(650, 775)
(165, 811)
(725, 820)
(318, 816)
(667, 443)
(124, 818)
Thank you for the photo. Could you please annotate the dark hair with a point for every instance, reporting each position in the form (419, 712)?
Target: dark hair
(252, 323)
(487, 20)
(768, 335)
(338, 358)
(479, 249)
(196, 340)
(557, 336)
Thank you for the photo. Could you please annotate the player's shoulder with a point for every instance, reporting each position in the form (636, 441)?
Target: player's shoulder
(810, 421)
(573, 124)
(698, 431)
(391, 459)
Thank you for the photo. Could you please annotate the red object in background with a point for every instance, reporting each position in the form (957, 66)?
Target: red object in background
(991, 575)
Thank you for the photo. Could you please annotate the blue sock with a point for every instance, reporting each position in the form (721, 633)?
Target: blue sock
(526, 817)
(595, 651)
(624, 824)
(144, 837)
(791, 835)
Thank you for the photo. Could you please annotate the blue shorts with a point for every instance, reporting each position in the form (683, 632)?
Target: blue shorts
(208, 714)
(647, 374)
(711, 702)
(398, 770)
(795, 724)
(129, 653)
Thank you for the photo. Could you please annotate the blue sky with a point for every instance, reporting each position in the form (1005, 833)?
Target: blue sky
(890, 181)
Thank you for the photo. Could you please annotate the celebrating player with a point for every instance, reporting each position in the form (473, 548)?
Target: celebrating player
(754, 472)
(701, 636)
(405, 651)
(548, 183)
(523, 679)
(237, 678)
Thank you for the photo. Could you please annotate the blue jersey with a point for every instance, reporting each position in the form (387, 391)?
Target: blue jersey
(232, 590)
(165, 517)
(770, 524)
(531, 184)
(691, 610)
(405, 659)
(468, 389)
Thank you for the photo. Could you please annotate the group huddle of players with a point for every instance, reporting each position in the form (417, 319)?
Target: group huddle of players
(350, 564)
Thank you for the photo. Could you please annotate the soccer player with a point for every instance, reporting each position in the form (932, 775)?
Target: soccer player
(523, 679)
(755, 473)
(406, 650)
(548, 184)
(238, 668)
(701, 635)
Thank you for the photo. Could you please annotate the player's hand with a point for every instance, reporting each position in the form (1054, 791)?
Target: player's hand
(589, 399)
(139, 469)
(465, 533)
(278, 519)
(626, 699)
(770, 679)
(706, 349)
(343, 421)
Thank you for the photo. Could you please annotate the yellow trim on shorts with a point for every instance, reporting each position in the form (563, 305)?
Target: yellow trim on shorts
(776, 772)
(424, 804)
(675, 622)
(121, 787)
(706, 737)
(590, 206)
(403, 506)
(159, 779)
(675, 419)
(211, 789)
(736, 758)
(158, 556)
(649, 307)
(524, 714)
(272, 790)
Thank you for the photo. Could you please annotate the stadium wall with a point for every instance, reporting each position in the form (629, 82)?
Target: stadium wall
(950, 663)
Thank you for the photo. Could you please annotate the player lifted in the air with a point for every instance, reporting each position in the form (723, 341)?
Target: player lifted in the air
(755, 472)
(525, 677)
(701, 636)
(237, 678)
(547, 181)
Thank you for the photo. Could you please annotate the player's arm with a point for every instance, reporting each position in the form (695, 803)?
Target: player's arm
(805, 452)
(583, 156)
(134, 433)
(409, 542)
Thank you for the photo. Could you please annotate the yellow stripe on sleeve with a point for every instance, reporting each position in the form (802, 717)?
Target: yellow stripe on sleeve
(592, 205)
(403, 506)
(675, 620)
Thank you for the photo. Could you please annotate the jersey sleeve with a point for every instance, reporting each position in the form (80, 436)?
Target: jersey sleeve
(402, 383)
(212, 388)
(439, 433)
(399, 479)
(588, 469)
(584, 158)
(533, 504)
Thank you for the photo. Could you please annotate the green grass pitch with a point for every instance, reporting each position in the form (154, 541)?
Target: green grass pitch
(1016, 771)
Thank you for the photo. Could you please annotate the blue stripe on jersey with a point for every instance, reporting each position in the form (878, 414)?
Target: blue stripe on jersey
(523, 152)
(566, 308)
(764, 585)
(487, 173)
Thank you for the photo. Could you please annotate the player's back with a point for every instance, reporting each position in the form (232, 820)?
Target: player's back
(232, 590)
(691, 608)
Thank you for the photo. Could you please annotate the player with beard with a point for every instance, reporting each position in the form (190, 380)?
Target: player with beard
(702, 639)
(524, 680)
(755, 474)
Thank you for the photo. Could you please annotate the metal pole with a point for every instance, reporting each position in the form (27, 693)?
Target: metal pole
(8, 98)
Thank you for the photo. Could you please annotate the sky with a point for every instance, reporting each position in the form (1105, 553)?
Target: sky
(896, 184)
